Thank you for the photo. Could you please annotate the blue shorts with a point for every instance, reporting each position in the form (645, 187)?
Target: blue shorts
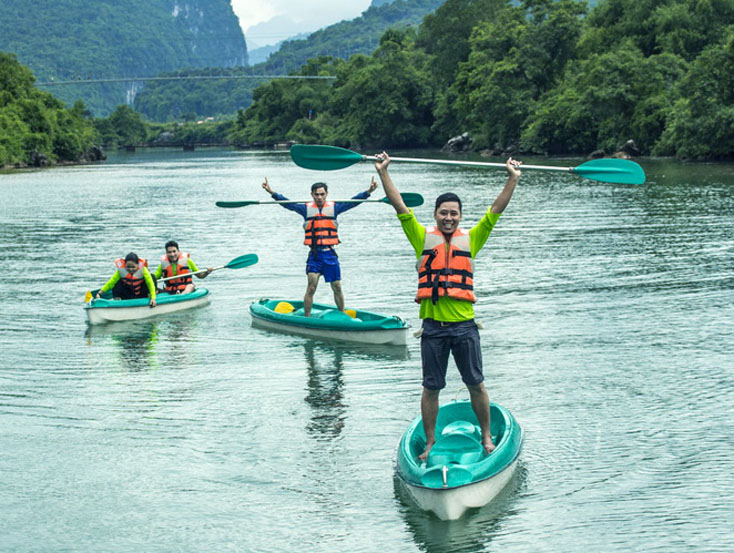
(324, 262)
(460, 339)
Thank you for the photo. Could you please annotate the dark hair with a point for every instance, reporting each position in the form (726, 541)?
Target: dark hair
(447, 197)
(171, 243)
(318, 185)
(132, 257)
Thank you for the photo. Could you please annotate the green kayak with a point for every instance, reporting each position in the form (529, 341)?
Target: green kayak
(106, 309)
(458, 473)
(327, 322)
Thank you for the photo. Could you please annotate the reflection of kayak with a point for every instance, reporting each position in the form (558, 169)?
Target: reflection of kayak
(458, 474)
(105, 309)
(328, 323)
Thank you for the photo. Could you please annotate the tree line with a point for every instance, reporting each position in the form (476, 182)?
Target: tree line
(542, 77)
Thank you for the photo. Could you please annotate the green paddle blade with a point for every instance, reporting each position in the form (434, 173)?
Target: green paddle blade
(235, 204)
(323, 158)
(410, 199)
(619, 171)
(242, 261)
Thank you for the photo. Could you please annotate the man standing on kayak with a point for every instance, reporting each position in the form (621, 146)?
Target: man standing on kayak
(320, 226)
(445, 266)
(174, 263)
(131, 280)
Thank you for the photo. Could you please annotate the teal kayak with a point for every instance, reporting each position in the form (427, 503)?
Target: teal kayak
(106, 309)
(327, 322)
(458, 473)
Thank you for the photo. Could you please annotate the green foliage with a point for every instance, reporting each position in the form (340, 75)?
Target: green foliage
(168, 101)
(680, 27)
(79, 40)
(700, 125)
(603, 101)
(35, 126)
(514, 59)
(124, 127)
(385, 100)
(445, 33)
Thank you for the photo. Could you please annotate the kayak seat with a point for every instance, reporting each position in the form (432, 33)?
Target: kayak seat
(335, 315)
(456, 448)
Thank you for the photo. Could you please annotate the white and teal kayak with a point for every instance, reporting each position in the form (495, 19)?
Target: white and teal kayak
(328, 323)
(458, 474)
(107, 310)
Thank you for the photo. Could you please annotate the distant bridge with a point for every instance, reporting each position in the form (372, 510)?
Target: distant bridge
(182, 78)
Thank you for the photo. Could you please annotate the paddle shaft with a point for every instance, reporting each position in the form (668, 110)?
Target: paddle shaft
(469, 163)
(350, 201)
(188, 274)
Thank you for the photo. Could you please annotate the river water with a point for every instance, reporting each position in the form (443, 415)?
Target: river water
(608, 319)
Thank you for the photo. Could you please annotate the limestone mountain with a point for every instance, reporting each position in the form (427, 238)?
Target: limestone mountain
(80, 40)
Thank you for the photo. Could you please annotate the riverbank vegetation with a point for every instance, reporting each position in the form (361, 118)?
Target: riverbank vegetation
(36, 128)
(540, 77)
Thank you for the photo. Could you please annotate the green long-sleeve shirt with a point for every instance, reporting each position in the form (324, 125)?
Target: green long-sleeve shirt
(447, 309)
(192, 267)
(110, 284)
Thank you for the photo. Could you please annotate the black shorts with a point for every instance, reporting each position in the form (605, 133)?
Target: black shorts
(462, 340)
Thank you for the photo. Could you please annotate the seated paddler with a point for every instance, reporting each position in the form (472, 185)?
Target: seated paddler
(178, 263)
(131, 280)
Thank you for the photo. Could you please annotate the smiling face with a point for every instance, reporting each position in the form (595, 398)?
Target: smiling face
(319, 196)
(172, 253)
(131, 266)
(448, 216)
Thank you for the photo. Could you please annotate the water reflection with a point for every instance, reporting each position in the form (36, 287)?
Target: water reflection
(472, 532)
(325, 390)
(135, 340)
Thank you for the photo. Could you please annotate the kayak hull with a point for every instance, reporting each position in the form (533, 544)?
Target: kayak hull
(104, 311)
(458, 474)
(327, 323)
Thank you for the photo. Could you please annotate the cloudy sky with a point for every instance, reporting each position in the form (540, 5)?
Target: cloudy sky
(304, 16)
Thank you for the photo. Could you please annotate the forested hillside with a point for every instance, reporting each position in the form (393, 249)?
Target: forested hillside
(36, 128)
(161, 101)
(80, 40)
(539, 77)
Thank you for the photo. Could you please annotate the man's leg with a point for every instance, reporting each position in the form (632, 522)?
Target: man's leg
(313, 282)
(434, 361)
(336, 287)
(429, 413)
(480, 405)
(467, 352)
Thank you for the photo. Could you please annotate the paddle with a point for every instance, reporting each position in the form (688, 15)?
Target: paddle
(236, 263)
(330, 158)
(410, 199)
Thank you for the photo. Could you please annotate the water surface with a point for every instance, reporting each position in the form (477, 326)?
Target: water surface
(608, 320)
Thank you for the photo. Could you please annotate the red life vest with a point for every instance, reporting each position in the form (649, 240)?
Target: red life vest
(135, 280)
(182, 268)
(445, 271)
(321, 225)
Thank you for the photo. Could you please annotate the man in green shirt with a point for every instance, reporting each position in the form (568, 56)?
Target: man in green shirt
(175, 263)
(445, 256)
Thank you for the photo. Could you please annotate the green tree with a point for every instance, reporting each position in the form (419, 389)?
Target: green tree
(385, 100)
(514, 59)
(127, 126)
(604, 101)
(700, 124)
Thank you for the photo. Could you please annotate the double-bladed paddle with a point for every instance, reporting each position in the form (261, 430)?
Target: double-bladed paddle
(410, 199)
(330, 158)
(236, 263)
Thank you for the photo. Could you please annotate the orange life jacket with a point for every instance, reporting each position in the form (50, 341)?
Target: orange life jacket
(133, 280)
(182, 268)
(321, 225)
(445, 271)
